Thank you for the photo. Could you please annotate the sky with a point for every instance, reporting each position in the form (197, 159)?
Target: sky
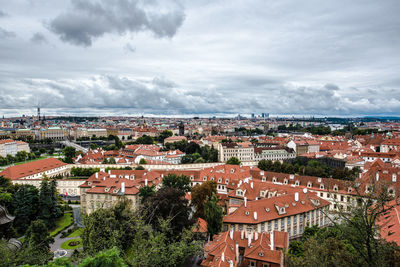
(127, 57)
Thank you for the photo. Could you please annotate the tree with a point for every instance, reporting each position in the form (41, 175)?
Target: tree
(112, 161)
(169, 203)
(199, 196)
(49, 209)
(139, 168)
(108, 228)
(145, 139)
(163, 135)
(145, 192)
(142, 161)
(36, 246)
(25, 202)
(69, 154)
(233, 161)
(213, 213)
(181, 182)
(107, 258)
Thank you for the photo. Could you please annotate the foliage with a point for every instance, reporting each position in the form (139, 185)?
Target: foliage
(193, 151)
(108, 228)
(62, 223)
(169, 203)
(145, 140)
(163, 135)
(77, 171)
(213, 213)
(69, 154)
(311, 168)
(107, 258)
(140, 168)
(142, 161)
(145, 192)
(233, 161)
(200, 193)
(49, 208)
(181, 182)
(36, 246)
(25, 202)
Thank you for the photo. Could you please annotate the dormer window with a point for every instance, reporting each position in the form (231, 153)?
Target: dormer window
(321, 186)
(282, 211)
(349, 190)
(247, 213)
(132, 177)
(115, 190)
(191, 177)
(205, 178)
(263, 179)
(309, 184)
(212, 178)
(297, 183)
(219, 180)
(274, 180)
(120, 176)
(227, 181)
(262, 193)
(335, 188)
(285, 181)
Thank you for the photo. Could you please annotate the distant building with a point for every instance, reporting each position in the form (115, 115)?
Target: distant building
(243, 151)
(174, 139)
(181, 128)
(11, 147)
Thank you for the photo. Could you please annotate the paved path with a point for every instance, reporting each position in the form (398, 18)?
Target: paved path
(58, 241)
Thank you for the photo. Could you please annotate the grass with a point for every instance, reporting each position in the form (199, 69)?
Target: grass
(62, 223)
(76, 233)
(66, 245)
(23, 162)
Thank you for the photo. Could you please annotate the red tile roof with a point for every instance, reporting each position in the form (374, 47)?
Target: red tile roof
(27, 169)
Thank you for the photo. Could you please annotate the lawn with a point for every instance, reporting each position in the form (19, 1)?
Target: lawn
(63, 222)
(76, 233)
(22, 162)
(66, 245)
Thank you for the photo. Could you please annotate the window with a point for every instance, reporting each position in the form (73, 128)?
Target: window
(252, 264)
(263, 227)
(295, 231)
(276, 225)
(288, 221)
(269, 226)
(295, 219)
(240, 226)
(282, 224)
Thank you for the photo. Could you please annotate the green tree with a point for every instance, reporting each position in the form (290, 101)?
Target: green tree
(112, 161)
(145, 192)
(145, 139)
(25, 202)
(199, 196)
(169, 203)
(213, 213)
(181, 182)
(49, 208)
(69, 154)
(140, 168)
(163, 135)
(233, 161)
(142, 161)
(107, 258)
(36, 246)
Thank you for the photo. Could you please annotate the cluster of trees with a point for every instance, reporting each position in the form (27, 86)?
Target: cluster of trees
(87, 172)
(249, 132)
(109, 161)
(19, 157)
(311, 168)
(233, 161)
(69, 154)
(353, 240)
(194, 153)
(28, 204)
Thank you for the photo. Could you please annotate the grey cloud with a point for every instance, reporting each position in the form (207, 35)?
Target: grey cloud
(160, 95)
(6, 34)
(129, 48)
(38, 38)
(88, 20)
(2, 14)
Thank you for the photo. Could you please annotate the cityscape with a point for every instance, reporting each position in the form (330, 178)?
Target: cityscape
(199, 133)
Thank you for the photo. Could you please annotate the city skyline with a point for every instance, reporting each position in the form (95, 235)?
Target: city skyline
(200, 57)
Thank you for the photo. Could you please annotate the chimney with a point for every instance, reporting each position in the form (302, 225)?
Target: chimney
(245, 202)
(97, 175)
(241, 234)
(123, 188)
(102, 170)
(145, 182)
(394, 177)
(271, 236)
(251, 185)
(231, 234)
(237, 251)
(296, 196)
(109, 171)
(377, 176)
(248, 240)
(255, 215)
(223, 257)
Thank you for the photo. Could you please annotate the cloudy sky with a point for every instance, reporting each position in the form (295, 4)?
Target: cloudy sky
(334, 57)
